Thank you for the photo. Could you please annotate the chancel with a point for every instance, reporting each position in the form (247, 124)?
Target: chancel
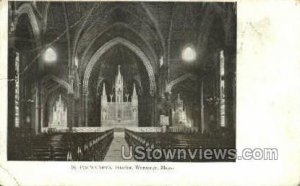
(88, 78)
(119, 112)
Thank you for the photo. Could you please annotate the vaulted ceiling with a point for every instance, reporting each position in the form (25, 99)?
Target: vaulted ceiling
(159, 29)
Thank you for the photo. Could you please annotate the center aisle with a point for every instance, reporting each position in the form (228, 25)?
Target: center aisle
(115, 150)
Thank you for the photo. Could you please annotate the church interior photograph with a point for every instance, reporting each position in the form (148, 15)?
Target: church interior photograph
(121, 81)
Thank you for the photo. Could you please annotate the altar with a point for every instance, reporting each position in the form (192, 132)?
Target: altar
(117, 111)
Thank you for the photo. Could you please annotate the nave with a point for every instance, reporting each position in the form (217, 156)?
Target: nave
(107, 145)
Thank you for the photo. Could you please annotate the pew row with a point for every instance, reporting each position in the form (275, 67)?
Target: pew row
(184, 146)
(82, 146)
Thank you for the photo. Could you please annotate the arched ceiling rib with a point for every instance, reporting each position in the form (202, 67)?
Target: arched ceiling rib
(121, 17)
(117, 30)
(108, 45)
(132, 70)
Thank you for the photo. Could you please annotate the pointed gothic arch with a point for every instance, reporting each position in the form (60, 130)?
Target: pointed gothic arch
(153, 26)
(179, 80)
(111, 27)
(28, 10)
(133, 48)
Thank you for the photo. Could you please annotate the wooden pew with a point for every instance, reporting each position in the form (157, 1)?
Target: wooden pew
(65, 146)
(188, 142)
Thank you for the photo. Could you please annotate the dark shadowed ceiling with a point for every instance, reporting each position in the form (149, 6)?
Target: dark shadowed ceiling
(131, 66)
(160, 30)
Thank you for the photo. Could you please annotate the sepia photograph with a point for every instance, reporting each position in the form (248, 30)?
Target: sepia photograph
(121, 81)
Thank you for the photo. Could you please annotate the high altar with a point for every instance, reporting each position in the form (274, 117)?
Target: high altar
(117, 112)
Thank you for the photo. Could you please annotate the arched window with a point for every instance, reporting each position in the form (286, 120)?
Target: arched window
(222, 88)
(17, 90)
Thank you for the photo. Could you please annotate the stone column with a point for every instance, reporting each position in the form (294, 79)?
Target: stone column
(77, 113)
(42, 109)
(86, 117)
(71, 111)
(83, 112)
(42, 115)
(37, 109)
(80, 112)
(230, 87)
(153, 111)
(36, 97)
(202, 107)
(230, 68)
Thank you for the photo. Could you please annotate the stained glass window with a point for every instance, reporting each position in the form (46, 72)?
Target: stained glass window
(222, 88)
(17, 90)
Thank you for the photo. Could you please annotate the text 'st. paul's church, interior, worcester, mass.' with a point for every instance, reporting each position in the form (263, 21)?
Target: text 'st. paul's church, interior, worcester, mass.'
(86, 79)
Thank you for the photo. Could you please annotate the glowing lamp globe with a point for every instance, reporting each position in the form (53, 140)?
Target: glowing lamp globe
(50, 55)
(188, 54)
(76, 61)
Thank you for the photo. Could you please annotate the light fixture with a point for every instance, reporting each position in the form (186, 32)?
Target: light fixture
(76, 61)
(189, 53)
(50, 55)
(161, 61)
